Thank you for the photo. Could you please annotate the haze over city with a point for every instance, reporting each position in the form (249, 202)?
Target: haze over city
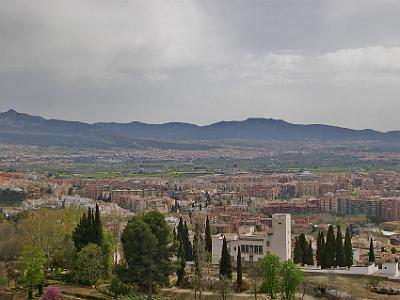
(330, 62)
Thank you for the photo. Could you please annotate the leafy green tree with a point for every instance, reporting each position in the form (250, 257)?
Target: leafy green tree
(239, 275)
(348, 249)
(107, 248)
(297, 252)
(339, 250)
(255, 279)
(8, 243)
(31, 264)
(320, 249)
(68, 254)
(225, 265)
(291, 278)
(330, 253)
(46, 229)
(208, 238)
(270, 268)
(89, 264)
(371, 254)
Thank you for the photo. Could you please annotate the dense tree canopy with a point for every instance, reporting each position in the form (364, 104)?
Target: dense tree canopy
(31, 265)
(148, 248)
(270, 267)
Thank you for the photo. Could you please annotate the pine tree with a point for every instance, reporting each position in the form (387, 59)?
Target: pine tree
(239, 278)
(297, 252)
(208, 239)
(348, 249)
(225, 266)
(371, 255)
(310, 255)
(329, 253)
(320, 249)
(340, 259)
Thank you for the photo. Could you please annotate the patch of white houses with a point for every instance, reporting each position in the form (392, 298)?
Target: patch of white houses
(255, 245)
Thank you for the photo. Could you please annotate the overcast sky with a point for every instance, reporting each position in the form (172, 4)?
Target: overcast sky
(334, 62)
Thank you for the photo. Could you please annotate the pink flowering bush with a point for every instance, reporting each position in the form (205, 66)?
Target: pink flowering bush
(52, 293)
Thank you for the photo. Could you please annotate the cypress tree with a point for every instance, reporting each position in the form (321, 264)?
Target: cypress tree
(208, 239)
(297, 252)
(348, 249)
(98, 227)
(91, 231)
(371, 255)
(225, 266)
(239, 279)
(329, 253)
(180, 233)
(174, 234)
(303, 247)
(320, 248)
(182, 262)
(340, 258)
(310, 255)
(187, 243)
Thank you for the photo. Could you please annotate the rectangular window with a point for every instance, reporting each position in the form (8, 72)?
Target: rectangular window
(251, 249)
(268, 243)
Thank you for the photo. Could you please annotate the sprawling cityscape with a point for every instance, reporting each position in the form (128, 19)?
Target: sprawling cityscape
(210, 150)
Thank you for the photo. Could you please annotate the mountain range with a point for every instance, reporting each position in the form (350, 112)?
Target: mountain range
(21, 128)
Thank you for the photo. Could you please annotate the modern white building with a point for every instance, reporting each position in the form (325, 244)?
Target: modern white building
(255, 245)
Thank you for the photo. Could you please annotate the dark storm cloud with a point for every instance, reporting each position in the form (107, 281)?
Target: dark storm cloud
(305, 61)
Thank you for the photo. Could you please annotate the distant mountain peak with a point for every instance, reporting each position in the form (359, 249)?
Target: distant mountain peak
(16, 127)
(11, 112)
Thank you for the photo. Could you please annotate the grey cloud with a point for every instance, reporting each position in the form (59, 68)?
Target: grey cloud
(202, 61)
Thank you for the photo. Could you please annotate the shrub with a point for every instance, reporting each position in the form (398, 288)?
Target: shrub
(52, 293)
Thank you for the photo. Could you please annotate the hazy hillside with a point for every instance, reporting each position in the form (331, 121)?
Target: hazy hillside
(20, 128)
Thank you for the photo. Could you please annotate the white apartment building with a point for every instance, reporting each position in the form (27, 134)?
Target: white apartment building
(255, 245)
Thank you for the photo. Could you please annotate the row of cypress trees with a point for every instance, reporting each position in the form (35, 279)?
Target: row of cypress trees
(185, 251)
(181, 234)
(89, 229)
(303, 252)
(331, 252)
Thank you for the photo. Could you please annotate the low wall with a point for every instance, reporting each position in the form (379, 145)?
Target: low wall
(367, 270)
